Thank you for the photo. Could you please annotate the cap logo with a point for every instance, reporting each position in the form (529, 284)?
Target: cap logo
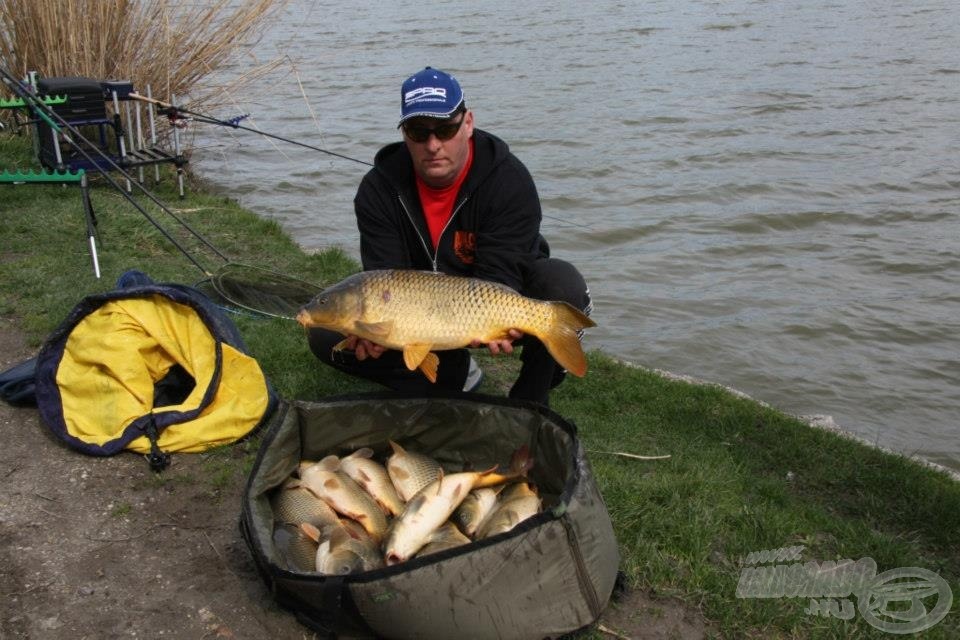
(428, 94)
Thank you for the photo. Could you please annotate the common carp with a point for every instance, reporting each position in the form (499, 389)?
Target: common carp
(343, 494)
(446, 537)
(343, 550)
(434, 504)
(294, 503)
(411, 471)
(422, 311)
(373, 477)
(474, 509)
(517, 503)
(518, 490)
(298, 550)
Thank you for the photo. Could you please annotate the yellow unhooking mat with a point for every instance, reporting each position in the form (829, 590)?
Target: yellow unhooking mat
(154, 369)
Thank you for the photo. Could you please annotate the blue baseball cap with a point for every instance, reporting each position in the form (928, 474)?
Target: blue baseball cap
(431, 93)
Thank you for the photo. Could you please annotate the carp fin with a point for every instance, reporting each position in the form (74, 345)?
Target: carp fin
(385, 507)
(399, 472)
(416, 503)
(418, 355)
(340, 346)
(303, 465)
(363, 452)
(340, 536)
(440, 482)
(490, 478)
(521, 461)
(310, 531)
(330, 463)
(562, 340)
(375, 329)
(429, 366)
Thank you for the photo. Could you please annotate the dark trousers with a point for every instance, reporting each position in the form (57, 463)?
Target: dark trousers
(549, 279)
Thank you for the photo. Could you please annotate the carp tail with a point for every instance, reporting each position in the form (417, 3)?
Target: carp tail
(562, 337)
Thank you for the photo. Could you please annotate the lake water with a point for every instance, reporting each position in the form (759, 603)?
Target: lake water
(760, 195)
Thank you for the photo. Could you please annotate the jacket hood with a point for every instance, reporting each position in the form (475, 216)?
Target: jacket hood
(396, 165)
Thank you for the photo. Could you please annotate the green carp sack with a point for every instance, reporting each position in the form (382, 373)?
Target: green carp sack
(351, 514)
(549, 575)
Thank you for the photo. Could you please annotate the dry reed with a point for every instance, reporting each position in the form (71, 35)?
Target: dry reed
(172, 46)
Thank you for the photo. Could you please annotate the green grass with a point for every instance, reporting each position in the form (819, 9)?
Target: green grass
(742, 477)
(120, 510)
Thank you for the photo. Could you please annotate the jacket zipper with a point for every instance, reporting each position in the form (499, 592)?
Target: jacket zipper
(434, 255)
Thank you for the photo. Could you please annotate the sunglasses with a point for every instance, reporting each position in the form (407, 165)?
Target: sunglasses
(443, 131)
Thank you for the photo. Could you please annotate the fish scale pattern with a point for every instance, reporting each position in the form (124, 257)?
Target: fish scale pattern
(442, 309)
(420, 310)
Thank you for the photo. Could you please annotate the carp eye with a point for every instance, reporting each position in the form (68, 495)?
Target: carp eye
(322, 300)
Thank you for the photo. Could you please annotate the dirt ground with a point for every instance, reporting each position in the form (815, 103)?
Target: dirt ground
(100, 548)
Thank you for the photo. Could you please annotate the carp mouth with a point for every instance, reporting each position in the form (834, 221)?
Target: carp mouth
(303, 318)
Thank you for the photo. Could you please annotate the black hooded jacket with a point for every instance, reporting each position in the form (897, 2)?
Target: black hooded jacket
(494, 233)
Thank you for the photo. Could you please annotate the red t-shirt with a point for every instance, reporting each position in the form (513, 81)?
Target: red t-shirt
(438, 203)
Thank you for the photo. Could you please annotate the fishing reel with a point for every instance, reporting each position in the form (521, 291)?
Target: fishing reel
(175, 116)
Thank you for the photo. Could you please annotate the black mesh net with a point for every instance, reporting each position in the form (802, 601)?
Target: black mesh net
(258, 290)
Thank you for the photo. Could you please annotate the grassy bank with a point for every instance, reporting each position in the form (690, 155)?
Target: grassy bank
(742, 477)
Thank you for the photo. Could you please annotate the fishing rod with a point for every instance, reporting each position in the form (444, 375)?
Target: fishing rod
(59, 124)
(172, 111)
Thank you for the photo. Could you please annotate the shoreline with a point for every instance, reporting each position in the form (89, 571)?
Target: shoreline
(822, 421)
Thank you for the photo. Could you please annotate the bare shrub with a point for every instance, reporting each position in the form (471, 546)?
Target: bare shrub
(170, 45)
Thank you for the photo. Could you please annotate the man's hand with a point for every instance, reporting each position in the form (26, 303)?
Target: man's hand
(363, 348)
(504, 345)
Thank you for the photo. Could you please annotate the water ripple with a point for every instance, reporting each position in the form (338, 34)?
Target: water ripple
(761, 194)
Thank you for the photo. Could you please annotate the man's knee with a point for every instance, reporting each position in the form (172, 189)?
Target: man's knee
(554, 279)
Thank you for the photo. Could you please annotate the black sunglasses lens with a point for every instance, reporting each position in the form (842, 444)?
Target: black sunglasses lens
(446, 131)
(443, 132)
(418, 134)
